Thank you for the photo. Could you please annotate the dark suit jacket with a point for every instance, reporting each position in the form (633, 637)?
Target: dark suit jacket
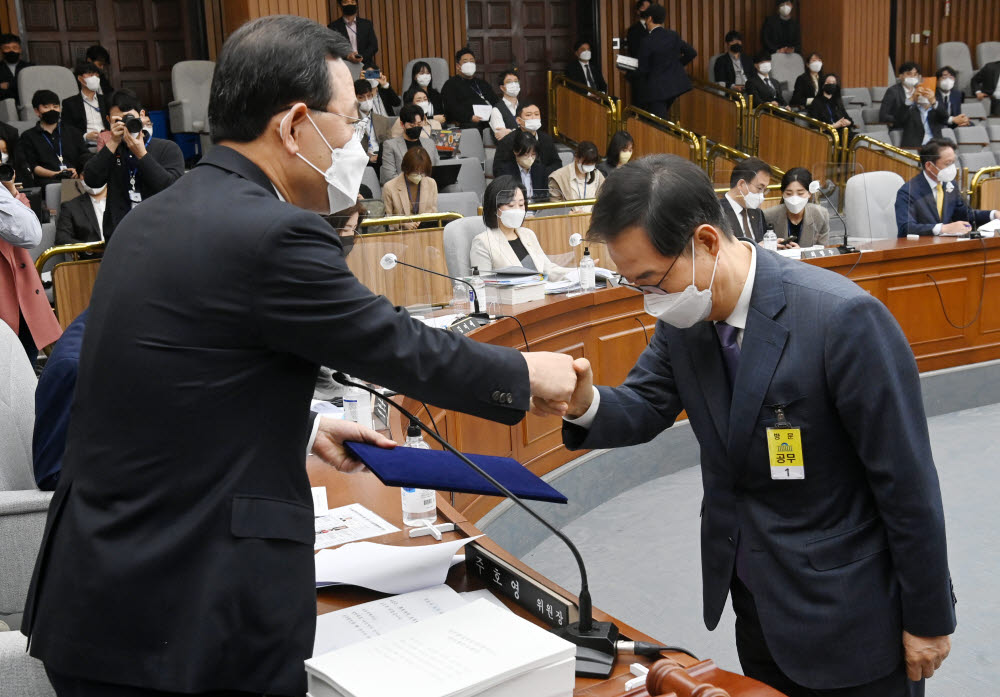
(539, 178)
(8, 76)
(778, 33)
(953, 104)
(661, 66)
(986, 81)
(911, 121)
(367, 41)
(804, 89)
(762, 92)
(460, 93)
(839, 562)
(916, 208)
(736, 222)
(73, 112)
(77, 222)
(574, 71)
(178, 552)
(828, 110)
(547, 157)
(161, 167)
(725, 72)
(893, 105)
(636, 35)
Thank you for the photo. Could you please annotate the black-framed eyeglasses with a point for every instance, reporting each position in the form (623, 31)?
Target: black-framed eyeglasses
(654, 289)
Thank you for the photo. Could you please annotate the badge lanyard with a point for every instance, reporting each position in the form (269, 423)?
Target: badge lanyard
(59, 151)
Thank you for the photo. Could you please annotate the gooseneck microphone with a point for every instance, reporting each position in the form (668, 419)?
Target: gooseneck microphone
(389, 261)
(844, 247)
(590, 637)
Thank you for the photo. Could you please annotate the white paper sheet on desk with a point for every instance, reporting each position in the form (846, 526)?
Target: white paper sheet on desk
(991, 226)
(440, 321)
(483, 111)
(349, 524)
(387, 568)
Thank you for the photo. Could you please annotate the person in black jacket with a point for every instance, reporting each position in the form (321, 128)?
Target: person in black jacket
(922, 120)
(760, 86)
(99, 56)
(900, 96)
(386, 99)
(134, 167)
(808, 83)
(741, 204)
(11, 66)
(661, 65)
(463, 90)
(986, 83)
(780, 33)
(82, 219)
(734, 66)
(421, 78)
(87, 111)
(359, 32)
(529, 120)
(828, 106)
(950, 96)
(51, 150)
(633, 42)
(524, 164)
(583, 69)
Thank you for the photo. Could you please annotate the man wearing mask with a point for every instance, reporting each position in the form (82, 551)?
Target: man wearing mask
(583, 69)
(950, 96)
(922, 120)
(464, 93)
(10, 46)
(900, 96)
(82, 219)
(503, 118)
(133, 164)
(931, 203)
(377, 128)
(99, 56)
(87, 111)
(761, 86)
(780, 33)
(359, 32)
(734, 67)
(411, 118)
(51, 150)
(741, 204)
(235, 291)
(986, 83)
(661, 65)
(529, 120)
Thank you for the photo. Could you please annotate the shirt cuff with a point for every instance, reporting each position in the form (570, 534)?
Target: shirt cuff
(994, 215)
(587, 418)
(937, 229)
(312, 436)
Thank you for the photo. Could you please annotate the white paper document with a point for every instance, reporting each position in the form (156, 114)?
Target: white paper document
(320, 505)
(349, 524)
(991, 226)
(387, 568)
(483, 111)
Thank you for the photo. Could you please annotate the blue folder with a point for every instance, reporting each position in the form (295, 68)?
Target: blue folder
(441, 470)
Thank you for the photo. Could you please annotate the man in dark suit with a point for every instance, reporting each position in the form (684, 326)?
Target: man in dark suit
(178, 553)
(950, 96)
(661, 65)
(522, 160)
(463, 91)
(741, 204)
(529, 120)
(900, 95)
(359, 32)
(761, 86)
(780, 32)
(931, 203)
(11, 66)
(81, 219)
(922, 120)
(99, 56)
(87, 111)
(832, 542)
(583, 69)
(986, 83)
(733, 67)
(637, 33)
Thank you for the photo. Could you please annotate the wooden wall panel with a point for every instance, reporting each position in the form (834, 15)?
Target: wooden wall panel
(857, 50)
(971, 21)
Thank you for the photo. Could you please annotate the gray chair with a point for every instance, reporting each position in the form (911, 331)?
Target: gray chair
(994, 131)
(439, 72)
(8, 110)
(869, 204)
(458, 236)
(48, 240)
(878, 94)
(995, 149)
(972, 139)
(856, 114)
(44, 77)
(488, 165)
(710, 77)
(896, 136)
(566, 157)
(23, 125)
(949, 133)
(471, 145)
(786, 67)
(488, 140)
(22, 506)
(975, 161)
(976, 111)
(355, 69)
(987, 52)
(192, 83)
(370, 179)
(879, 133)
(23, 675)
(856, 95)
(870, 114)
(465, 203)
(957, 55)
(470, 178)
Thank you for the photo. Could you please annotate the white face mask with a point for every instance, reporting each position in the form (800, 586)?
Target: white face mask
(513, 89)
(93, 83)
(911, 81)
(3, 157)
(816, 66)
(587, 169)
(946, 84)
(947, 174)
(468, 69)
(764, 68)
(92, 192)
(533, 124)
(343, 176)
(923, 101)
(512, 217)
(366, 106)
(415, 177)
(424, 79)
(585, 56)
(795, 204)
(427, 107)
(752, 200)
(684, 309)
(373, 82)
(525, 161)
(784, 10)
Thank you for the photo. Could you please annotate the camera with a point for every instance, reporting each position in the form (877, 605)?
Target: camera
(6, 173)
(373, 74)
(133, 124)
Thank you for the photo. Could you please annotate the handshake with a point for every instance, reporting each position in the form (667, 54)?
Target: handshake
(560, 385)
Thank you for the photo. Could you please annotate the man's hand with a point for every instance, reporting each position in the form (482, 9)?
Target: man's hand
(4, 85)
(383, 81)
(960, 120)
(92, 136)
(354, 57)
(411, 225)
(552, 381)
(785, 244)
(579, 401)
(738, 88)
(959, 227)
(329, 443)
(118, 132)
(979, 95)
(135, 144)
(475, 119)
(924, 655)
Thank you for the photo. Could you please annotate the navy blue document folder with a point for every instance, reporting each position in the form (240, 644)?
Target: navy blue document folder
(441, 470)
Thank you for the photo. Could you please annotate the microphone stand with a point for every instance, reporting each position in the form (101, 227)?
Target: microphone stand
(480, 317)
(844, 247)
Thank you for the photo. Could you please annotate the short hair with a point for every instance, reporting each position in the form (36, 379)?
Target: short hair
(761, 56)
(416, 159)
(44, 98)
(619, 141)
(504, 73)
(410, 113)
(779, 3)
(931, 150)
(85, 68)
(521, 106)
(523, 142)
(733, 35)
(907, 67)
(362, 87)
(414, 91)
(657, 13)
(587, 152)
(461, 52)
(945, 69)
(10, 39)
(580, 42)
(98, 53)
(500, 192)
(265, 67)
(747, 169)
(796, 174)
(814, 54)
(666, 195)
(126, 100)
(417, 67)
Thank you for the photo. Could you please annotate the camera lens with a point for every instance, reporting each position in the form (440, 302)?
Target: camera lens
(133, 124)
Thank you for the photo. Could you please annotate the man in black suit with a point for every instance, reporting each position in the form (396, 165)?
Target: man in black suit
(822, 512)
(761, 86)
(922, 119)
(986, 83)
(733, 67)
(529, 120)
(950, 96)
(360, 32)
(11, 66)
(780, 32)
(661, 65)
(178, 553)
(81, 219)
(583, 69)
(741, 204)
(51, 150)
(463, 91)
(637, 33)
(87, 111)
(900, 96)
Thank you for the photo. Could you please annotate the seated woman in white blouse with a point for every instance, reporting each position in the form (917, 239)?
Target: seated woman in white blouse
(506, 242)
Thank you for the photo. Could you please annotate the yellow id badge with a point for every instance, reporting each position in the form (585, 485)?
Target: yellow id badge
(784, 446)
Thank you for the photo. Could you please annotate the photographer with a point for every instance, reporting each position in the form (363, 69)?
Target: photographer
(51, 150)
(132, 163)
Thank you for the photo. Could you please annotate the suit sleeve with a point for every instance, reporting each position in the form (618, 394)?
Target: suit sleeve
(906, 221)
(53, 399)
(888, 427)
(163, 169)
(974, 217)
(71, 116)
(551, 157)
(98, 169)
(688, 53)
(479, 255)
(391, 164)
(890, 105)
(64, 226)
(978, 81)
(719, 71)
(389, 97)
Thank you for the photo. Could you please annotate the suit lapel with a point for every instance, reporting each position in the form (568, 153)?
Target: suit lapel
(91, 214)
(706, 357)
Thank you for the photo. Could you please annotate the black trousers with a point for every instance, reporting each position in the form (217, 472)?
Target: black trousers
(77, 687)
(757, 662)
(659, 108)
(27, 341)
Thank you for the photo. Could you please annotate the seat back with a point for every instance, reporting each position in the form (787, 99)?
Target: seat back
(370, 179)
(439, 72)
(976, 111)
(191, 82)
(8, 110)
(48, 240)
(975, 161)
(972, 138)
(786, 67)
(465, 203)
(23, 126)
(471, 145)
(957, 55)
(458, 236)
(44, 77)
(471, 178)
(17, 413)
(870, 114)
(879, 133)
(488, 165)
(856, 96)
(857, 115)
(878, 94)
(869, 204)
(987, 52)
(711, 67)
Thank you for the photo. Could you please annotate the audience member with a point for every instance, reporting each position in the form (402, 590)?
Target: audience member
(506, 242)
(986, 83)
(828, 106)
(51, 150)
(379, 128)
(411, 117)
(619, 152)
(11, 66)
(661, 65)
(524, 164)
(807, 84)
(950, 96)
(637, 33)
(464, 90)
(780, 32)
(733, 67)
(741, 204)
(900, 95)
(347, 223)
(922, 120)
(413, 190)
(360, 32)
(431, 123)
(421, 79)
(579, 179)
(797, 221)
(384, 98)
(87, 111)
(529, 119)
(99, 56)
(8, 145)
(503, 118)
(760, 86)
(81, 219)
(583, 69)
(931, 203)
(53, 399)
(133, 164)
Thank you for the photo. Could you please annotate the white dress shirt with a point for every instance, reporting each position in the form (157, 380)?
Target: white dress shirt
(100, 205)
(496, 116)
(92, 110)
(352, 33)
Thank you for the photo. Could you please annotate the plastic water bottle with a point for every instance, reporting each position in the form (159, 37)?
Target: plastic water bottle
(418, 504)
(479, 285)
(358, 406)
(588, 281)
(460, 297)
(770, 239)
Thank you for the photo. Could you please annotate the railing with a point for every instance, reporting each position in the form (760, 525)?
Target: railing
(655, 135)
(578, 113)
(875, 156)
(785, 139)
(72, 280)
(73, 250)
(400, 219)
(986, 188)
(720, 161)
(715, 112)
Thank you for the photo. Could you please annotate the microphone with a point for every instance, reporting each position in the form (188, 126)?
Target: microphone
(389, 261)
(844, 248)
(596, 642)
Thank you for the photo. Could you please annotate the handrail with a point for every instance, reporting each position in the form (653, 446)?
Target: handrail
(977, 182)
(612, 104)
(741, 100)
(793, 115)
(75, 249)
(735, 95)
(550, 205)
(697, 142)
(888, 147)
(734, 155)
(397, 219)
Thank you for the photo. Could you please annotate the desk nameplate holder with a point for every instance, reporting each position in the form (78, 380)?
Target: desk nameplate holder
(817, 253)
(464, 326)
(381, 411)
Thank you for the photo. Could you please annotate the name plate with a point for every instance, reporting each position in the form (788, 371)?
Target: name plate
(381, 411)
(816, 253)
(464, 326)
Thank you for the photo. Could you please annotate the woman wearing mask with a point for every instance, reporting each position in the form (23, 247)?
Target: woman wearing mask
(579, 179)
(828, 107)
(413, 191)
(620, 151)
(798, 222)
(432, 122)
(507, 242)
(503, 118)
(526, 167)
(807, 85)
(420, 78)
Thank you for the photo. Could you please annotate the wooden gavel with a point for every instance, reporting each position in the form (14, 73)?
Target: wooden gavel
(668, 677)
